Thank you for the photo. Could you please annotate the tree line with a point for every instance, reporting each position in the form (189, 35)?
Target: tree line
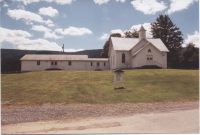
(171, 36)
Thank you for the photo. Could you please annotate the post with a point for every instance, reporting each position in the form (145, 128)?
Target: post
(63, 48)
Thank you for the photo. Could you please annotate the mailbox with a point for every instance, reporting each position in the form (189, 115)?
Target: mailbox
(118, 76)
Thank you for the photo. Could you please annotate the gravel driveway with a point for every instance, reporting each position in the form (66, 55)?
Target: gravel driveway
(60, 111)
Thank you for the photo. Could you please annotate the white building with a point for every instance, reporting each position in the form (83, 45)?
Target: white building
(137, 52)
(123, 53)
(36, 62)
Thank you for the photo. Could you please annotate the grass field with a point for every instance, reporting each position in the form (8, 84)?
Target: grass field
(141, 85)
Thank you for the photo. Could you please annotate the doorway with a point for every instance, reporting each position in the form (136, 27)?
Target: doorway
(149, 60)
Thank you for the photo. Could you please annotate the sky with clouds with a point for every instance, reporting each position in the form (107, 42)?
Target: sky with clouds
(87, 24)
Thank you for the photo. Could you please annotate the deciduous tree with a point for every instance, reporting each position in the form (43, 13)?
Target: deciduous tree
(171, 36)
(131, 34)
(190, 57)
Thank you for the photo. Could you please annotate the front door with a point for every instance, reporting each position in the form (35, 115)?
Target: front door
(149, 60)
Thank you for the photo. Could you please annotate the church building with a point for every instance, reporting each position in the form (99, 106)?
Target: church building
(124, 53)
(137, 52)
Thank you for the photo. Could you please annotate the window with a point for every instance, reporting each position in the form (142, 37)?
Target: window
(147, 58)
(55, 63)
(69, 63)
(123, 58)
(97, 63)
(91, 63)
(38, 62)
(113, 59)
(51, 63)
(149, 50)
(150, 58)
(104, 64)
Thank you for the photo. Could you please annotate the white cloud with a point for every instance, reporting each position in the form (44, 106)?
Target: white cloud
(51, 35)
(47, 31)
(147, 27)
(104, 37)
(192, 39)
(73, 50)
(20, 39)
(178, 5)
(48, 11)
(40, 28)
(51, 25)
(61, 2)
(74, 31)
(117, 31)
(101, 1)
(5, 4)
(8, 35)
(28, 23)
(64, 15)
(20, 7)
(121, 0)
(105, 1)
(27, 16)
(148, 6)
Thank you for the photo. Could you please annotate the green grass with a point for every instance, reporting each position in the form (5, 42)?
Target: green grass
(145, 85)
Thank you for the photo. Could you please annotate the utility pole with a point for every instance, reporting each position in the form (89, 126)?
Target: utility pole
(63, 48)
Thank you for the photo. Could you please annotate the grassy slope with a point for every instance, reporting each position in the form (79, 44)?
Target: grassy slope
(145, 85)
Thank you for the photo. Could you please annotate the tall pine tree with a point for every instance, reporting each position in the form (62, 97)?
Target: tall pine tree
(171, 36)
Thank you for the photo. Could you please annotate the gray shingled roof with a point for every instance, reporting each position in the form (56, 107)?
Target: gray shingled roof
(60, 57)
(125, 44)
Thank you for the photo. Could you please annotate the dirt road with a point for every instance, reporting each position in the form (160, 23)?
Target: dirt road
(180, 121)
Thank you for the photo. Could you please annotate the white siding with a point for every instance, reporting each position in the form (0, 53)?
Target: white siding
(112, 57)
(165, 60)
(127, 63)
(75, 65)
(141, 57)
(136, 48)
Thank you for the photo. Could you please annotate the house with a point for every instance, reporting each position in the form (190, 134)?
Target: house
(37, 62)
(137, 52)
(123, 53)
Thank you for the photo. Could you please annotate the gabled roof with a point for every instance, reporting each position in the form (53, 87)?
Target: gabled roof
(143, 48)
(53, 57)
(123, 44)
(126, 44)
(38, 57)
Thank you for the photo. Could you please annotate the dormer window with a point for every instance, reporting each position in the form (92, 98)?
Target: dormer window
(149, 50)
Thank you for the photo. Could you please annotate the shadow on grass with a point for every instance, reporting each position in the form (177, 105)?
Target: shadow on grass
(119, 88)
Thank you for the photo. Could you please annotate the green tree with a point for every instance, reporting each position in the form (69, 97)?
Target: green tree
(190, 57)
(104, 53)
(10, 64)
(171, 36)
(131, 34)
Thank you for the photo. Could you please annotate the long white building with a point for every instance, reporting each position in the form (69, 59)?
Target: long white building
(123, 53)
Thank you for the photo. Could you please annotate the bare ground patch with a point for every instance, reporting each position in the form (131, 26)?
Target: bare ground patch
(60, 111)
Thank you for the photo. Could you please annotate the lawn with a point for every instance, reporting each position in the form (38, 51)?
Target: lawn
(96, 87)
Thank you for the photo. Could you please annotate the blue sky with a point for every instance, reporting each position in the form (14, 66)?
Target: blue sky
(87, 24)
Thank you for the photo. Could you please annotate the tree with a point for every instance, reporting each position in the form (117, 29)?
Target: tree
(171, 36)
(131, 34)
(104, 53)
(190, 57)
